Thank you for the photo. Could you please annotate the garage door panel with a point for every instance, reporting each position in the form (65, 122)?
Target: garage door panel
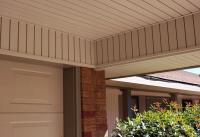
(30, 88)
(31, 125)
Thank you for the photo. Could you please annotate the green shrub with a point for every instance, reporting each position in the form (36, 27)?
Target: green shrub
(170, 121)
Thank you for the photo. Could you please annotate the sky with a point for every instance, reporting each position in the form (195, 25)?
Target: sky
(193, 70)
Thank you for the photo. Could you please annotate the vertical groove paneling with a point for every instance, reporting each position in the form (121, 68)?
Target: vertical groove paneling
(88, 53)
(129, 50)
(83, 50)
(98, 19)
(77, 49)
(135, 43)
(197, 27)
(65, 51)
(5, 33)
(142, 43)
(116, 48)
(181, 33)
(110, 50)
(33, 39)
(22, 36)
(149, 40)
(164, 36)
(189, 31)
(105, 50)
(45, 42)
(99, 52)
(30, 39)
(94, 50)
(14, 35)
(52, 43)
(122, 45)
(0, 30)
(93, 54)
(156, 39)
(58, 45)
(38, 41)
(172, 35)
(71, 48)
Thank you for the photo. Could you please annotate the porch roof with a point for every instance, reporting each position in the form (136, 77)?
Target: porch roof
(140, 83)
(122, 37)
(95, 19)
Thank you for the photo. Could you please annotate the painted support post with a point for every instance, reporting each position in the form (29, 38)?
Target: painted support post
(126, 103)
(72, 102)
(174, 97)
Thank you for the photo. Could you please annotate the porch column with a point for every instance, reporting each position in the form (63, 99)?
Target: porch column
(142, 104)
(71, 102)
(126, 103)
(93, 100)
(174, 97)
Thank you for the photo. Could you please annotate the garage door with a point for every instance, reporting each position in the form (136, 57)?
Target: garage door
(30, 100)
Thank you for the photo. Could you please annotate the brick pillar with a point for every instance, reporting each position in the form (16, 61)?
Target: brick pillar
(93, 99)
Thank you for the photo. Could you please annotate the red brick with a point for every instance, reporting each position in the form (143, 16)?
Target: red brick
(88, 114)
(93, 99)
(87, 134)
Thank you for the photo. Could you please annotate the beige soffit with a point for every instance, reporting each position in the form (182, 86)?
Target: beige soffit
(166, 46)
(176, 60)
(95, 19)
(175, 35)
(97, 33)
(27, 40)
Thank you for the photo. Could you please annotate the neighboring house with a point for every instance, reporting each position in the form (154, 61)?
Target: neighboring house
(142, 91)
